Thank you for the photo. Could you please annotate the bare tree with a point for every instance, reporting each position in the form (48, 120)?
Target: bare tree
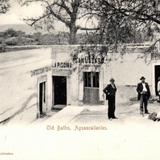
(4, 6)
(66, 11)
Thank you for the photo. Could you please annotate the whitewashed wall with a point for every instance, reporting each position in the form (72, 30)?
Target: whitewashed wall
(18, 90)
(127, 72)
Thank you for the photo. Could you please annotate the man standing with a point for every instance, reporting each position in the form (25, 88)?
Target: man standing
(143, 95)
(110, 91)
(158, 89)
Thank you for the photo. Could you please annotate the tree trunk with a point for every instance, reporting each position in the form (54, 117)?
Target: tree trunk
(72, 35)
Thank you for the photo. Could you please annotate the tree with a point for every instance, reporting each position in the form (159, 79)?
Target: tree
(66, 11)
(4, 6)
(121, 19)
(10, 33)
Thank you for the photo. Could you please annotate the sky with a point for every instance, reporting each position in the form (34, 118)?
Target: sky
(17, 13)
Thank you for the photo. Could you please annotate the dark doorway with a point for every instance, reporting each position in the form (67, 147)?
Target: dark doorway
(157, 74)
(60, 90)
(91, 87)
(42, 97)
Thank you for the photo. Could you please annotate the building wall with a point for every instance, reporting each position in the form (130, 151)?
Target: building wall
(20, 83)
(126, 70)
(18, 91)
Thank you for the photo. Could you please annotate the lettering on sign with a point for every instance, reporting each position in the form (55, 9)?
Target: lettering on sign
(89, 59)
(62, 65)
(56, 65)
(41, 70)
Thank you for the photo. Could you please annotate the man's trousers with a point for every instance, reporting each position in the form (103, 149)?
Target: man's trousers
(144, 103)
(111, 107)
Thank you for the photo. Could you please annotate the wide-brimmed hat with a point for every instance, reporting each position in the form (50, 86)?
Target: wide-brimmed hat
(112, 80)
(142, 78)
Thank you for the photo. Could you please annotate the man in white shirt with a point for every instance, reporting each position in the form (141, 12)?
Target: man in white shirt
(158, 88)
(143, 95)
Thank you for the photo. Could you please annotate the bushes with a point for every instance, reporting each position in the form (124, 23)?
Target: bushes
(11, 41)
(2, 47)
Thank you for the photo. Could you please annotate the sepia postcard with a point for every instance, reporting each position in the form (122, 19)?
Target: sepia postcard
(79, 79)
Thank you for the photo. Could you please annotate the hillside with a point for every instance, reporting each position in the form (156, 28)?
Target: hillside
(19, 27)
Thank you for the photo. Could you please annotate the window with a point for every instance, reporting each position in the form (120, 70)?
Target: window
(87, 79)
(91, 79)
(95, 79)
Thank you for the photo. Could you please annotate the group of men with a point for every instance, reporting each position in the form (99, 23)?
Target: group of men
(143, 96)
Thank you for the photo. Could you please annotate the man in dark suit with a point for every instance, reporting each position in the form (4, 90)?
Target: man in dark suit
(110, 91)
(143, 95)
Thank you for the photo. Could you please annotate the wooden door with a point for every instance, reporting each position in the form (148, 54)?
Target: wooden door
(91, 87)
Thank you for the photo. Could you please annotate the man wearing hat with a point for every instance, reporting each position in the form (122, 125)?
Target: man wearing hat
(143, 95)
(110, 91)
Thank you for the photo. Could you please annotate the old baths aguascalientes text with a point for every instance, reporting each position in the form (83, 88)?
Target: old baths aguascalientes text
(75, 127)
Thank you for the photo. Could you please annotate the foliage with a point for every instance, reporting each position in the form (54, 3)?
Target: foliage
(121, 20)
(12, 41)
(116, 21)
(10, 33)
(4, 6)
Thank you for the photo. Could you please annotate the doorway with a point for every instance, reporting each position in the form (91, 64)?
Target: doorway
(42, 97)
(157, 74)
(60, 90)
(91, 87)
